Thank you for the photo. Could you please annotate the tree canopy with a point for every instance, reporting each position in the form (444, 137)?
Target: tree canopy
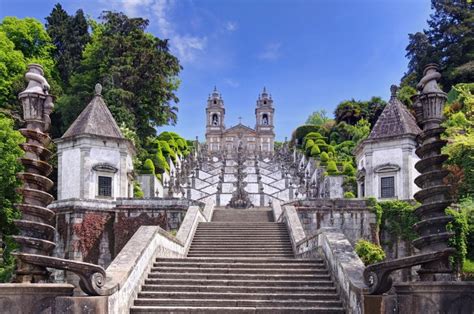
(69, 34)
(449, 41)
(136, 69)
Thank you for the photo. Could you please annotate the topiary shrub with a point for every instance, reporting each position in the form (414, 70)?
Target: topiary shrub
(324, 157)
(349, 195)
(315, 151)
(332, 168)
(162, 165)
(369, 252)
(348, 169)
(300, 132)
(148, 167)
(167, 151)
(137, 189)
(309, 143)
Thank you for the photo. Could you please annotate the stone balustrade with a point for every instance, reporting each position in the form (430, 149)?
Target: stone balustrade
(344, 265)
(128, 270)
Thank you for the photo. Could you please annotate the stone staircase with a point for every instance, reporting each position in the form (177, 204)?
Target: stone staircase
(241, 262)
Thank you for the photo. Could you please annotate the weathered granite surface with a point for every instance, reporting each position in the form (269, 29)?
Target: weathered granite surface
(292, 221)
(128, 270)
(27, 298)
(345, 266)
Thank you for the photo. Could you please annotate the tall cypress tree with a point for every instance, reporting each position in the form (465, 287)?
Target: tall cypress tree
(70, 35)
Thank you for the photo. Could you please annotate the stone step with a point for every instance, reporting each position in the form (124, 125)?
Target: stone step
(212, 252)
(215, 270)
(237, 303)
(240, 224)
(216, 264)
(265, 277)
(242, 232)
(243, 237)
(239, 282)
(241, 260)
(240, 310)
(238, 296)
(239, 289)
(244, 255)
(242, 242)
(241, 246)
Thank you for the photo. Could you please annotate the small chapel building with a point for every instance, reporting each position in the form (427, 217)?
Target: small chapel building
(258, 140)
(94, 158)
(386, 159)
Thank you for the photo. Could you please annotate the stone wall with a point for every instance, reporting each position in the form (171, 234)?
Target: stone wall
(352, 217)
(96, 231)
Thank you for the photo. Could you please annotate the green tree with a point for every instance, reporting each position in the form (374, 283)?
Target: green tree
(448, 41)
(348, 111)
(138, 73)
(22, 41)
(70, 35)
(9, 167)
(318, 118)
(12, 68)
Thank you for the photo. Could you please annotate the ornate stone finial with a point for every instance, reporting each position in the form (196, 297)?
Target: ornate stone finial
(428, 83)
(264, 90)
(36, 81)
(98, 89)
(393, 91)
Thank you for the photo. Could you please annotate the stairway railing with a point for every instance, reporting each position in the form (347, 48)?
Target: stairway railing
(128, 270)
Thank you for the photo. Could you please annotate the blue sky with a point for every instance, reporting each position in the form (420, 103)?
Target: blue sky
(310, 55)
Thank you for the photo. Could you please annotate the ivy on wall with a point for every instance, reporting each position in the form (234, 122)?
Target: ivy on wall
(89, 231)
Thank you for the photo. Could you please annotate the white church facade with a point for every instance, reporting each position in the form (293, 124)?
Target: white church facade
(254, 140)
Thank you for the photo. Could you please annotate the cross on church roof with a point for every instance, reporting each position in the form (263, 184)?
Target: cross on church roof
(240, 120)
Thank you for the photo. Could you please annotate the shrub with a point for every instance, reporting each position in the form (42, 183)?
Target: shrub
(148, 167)
(348, 169)
(315, 151)
(137, 189)
(332, 168)
(349, 195)
(300, 132)
(314, 136)
(324, 157)
(308, 143)
(369, 252)
(161, 165)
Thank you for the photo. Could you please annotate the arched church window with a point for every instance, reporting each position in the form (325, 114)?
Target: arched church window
(215, 119)
(264, 102)
(215, 102)
(265, 119)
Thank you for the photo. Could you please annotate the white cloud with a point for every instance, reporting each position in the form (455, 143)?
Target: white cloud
(132, 7)
(231, 26)
(271, 52)
(185, 46)
(231, 82)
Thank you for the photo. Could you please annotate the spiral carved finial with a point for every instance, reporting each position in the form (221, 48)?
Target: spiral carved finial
(434, 194)
(36, 232)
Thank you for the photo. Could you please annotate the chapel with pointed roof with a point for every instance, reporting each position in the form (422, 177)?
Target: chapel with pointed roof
(258, 140)
(94, 158)
(386, 159)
